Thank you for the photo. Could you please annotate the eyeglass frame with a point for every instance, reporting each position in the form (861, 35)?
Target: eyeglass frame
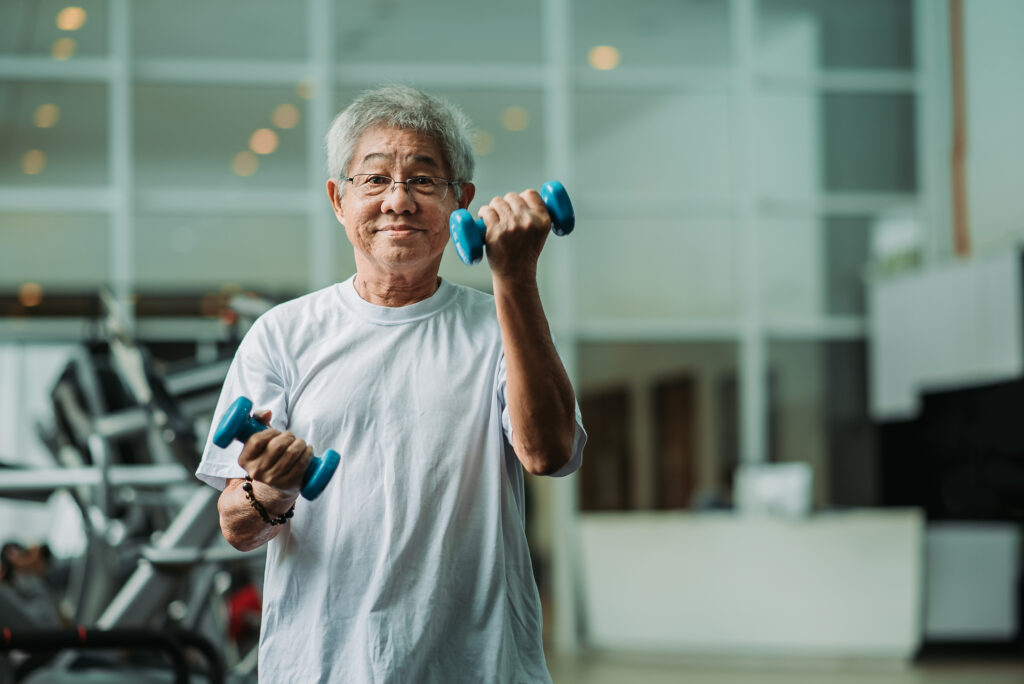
(409, 192)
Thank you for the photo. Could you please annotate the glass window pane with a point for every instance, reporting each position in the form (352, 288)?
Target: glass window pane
(661, 421)
(687, 268)
(661, 33)
(53, 134)
(54, 27)
(792, 267)
(814, 267)
(788, 137)
(847, 252)
(62, 251)
(870, 143)
(195, 29)
(819, 415)
(807, 144)
(509, 143)
(798, 35)
(441, 31)
(220, 137)
(184, 252)
(638, 145)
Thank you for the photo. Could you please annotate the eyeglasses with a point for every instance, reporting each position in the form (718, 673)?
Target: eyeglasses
(426, 187)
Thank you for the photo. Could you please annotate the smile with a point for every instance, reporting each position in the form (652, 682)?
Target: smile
(399, 231)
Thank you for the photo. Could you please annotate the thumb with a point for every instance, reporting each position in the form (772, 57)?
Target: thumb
(263, 417)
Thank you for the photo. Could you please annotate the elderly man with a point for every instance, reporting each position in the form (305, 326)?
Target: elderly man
(413, 565)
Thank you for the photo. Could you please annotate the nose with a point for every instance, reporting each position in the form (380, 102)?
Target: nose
(398, 201)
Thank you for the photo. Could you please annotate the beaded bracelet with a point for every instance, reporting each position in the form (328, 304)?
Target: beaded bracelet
(258, 507)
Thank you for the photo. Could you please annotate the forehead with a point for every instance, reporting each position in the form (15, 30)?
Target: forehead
(397, 146)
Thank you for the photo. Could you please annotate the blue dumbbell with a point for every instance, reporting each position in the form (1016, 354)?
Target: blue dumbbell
(468, 233)
(239, 424)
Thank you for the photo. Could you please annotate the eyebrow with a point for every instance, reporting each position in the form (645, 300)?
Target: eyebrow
(416, 158)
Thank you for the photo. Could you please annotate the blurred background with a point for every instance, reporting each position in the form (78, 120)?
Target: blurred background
(791, 308)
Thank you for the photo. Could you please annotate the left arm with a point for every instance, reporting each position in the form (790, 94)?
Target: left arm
(540, 397)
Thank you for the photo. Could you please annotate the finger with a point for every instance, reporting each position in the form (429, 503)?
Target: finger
(501, 214)
(280, 443)
(266, 468)
(533, 200)
(527, 210)
(255, 447)
(494, 212)
(515, 201)
(263, 417)
(290, 463)
(533, 205)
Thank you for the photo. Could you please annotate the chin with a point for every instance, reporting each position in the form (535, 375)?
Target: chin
(399, 256)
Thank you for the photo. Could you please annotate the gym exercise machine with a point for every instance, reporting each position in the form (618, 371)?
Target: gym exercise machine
(125, 447)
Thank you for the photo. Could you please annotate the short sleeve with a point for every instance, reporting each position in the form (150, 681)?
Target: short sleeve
(254, 374)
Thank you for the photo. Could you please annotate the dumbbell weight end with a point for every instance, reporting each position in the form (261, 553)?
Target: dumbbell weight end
(468, 236)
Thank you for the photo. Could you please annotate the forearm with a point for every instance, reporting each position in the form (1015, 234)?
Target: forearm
(540, 397)
(240, 524)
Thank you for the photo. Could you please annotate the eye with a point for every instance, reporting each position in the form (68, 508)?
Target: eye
(421, 181)
(377, 180)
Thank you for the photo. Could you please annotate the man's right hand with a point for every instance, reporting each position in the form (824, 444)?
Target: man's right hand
(275, 458)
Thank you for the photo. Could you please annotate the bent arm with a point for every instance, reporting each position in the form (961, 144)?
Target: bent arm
(276, 462)
(240, 524)
(540, 397)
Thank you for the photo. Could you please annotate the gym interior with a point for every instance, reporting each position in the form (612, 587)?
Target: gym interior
(791, 310)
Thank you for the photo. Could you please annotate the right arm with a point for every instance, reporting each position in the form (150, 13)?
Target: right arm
(276, 462)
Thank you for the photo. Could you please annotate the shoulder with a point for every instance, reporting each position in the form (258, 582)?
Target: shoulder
(475, 313)
(279, 324)
(287, 314)
(473, 301)
(299, 306)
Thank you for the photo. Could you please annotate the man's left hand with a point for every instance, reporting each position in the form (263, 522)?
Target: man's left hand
(517, 226)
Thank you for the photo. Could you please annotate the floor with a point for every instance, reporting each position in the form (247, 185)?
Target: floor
(621, 669)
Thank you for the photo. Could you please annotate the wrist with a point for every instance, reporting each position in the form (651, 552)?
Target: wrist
(273, 505)
(517, 280)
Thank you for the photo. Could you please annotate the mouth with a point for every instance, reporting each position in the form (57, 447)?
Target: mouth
(399, 230)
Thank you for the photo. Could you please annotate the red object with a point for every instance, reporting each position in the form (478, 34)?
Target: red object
(244, 611)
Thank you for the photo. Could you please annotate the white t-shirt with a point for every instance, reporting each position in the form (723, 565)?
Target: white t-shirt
(412, 566)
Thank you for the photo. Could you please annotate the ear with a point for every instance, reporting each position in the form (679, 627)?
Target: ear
(467, 194)
(334, 193)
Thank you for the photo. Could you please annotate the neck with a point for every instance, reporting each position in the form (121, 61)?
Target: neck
(393, 291)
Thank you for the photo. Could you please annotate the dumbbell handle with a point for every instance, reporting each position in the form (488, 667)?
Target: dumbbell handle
(238, 423)
(468, 233)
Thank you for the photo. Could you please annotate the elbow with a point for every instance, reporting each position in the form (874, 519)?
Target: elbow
(547, 467)
(236, 540)
(549, 460)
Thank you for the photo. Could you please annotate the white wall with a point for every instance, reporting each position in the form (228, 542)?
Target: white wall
(994, 62)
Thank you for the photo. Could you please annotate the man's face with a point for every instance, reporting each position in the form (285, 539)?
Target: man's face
(399, 230)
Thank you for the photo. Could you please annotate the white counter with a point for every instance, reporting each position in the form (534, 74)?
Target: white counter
(830, 585)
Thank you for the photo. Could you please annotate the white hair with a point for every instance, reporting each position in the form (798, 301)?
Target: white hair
(398, 106)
